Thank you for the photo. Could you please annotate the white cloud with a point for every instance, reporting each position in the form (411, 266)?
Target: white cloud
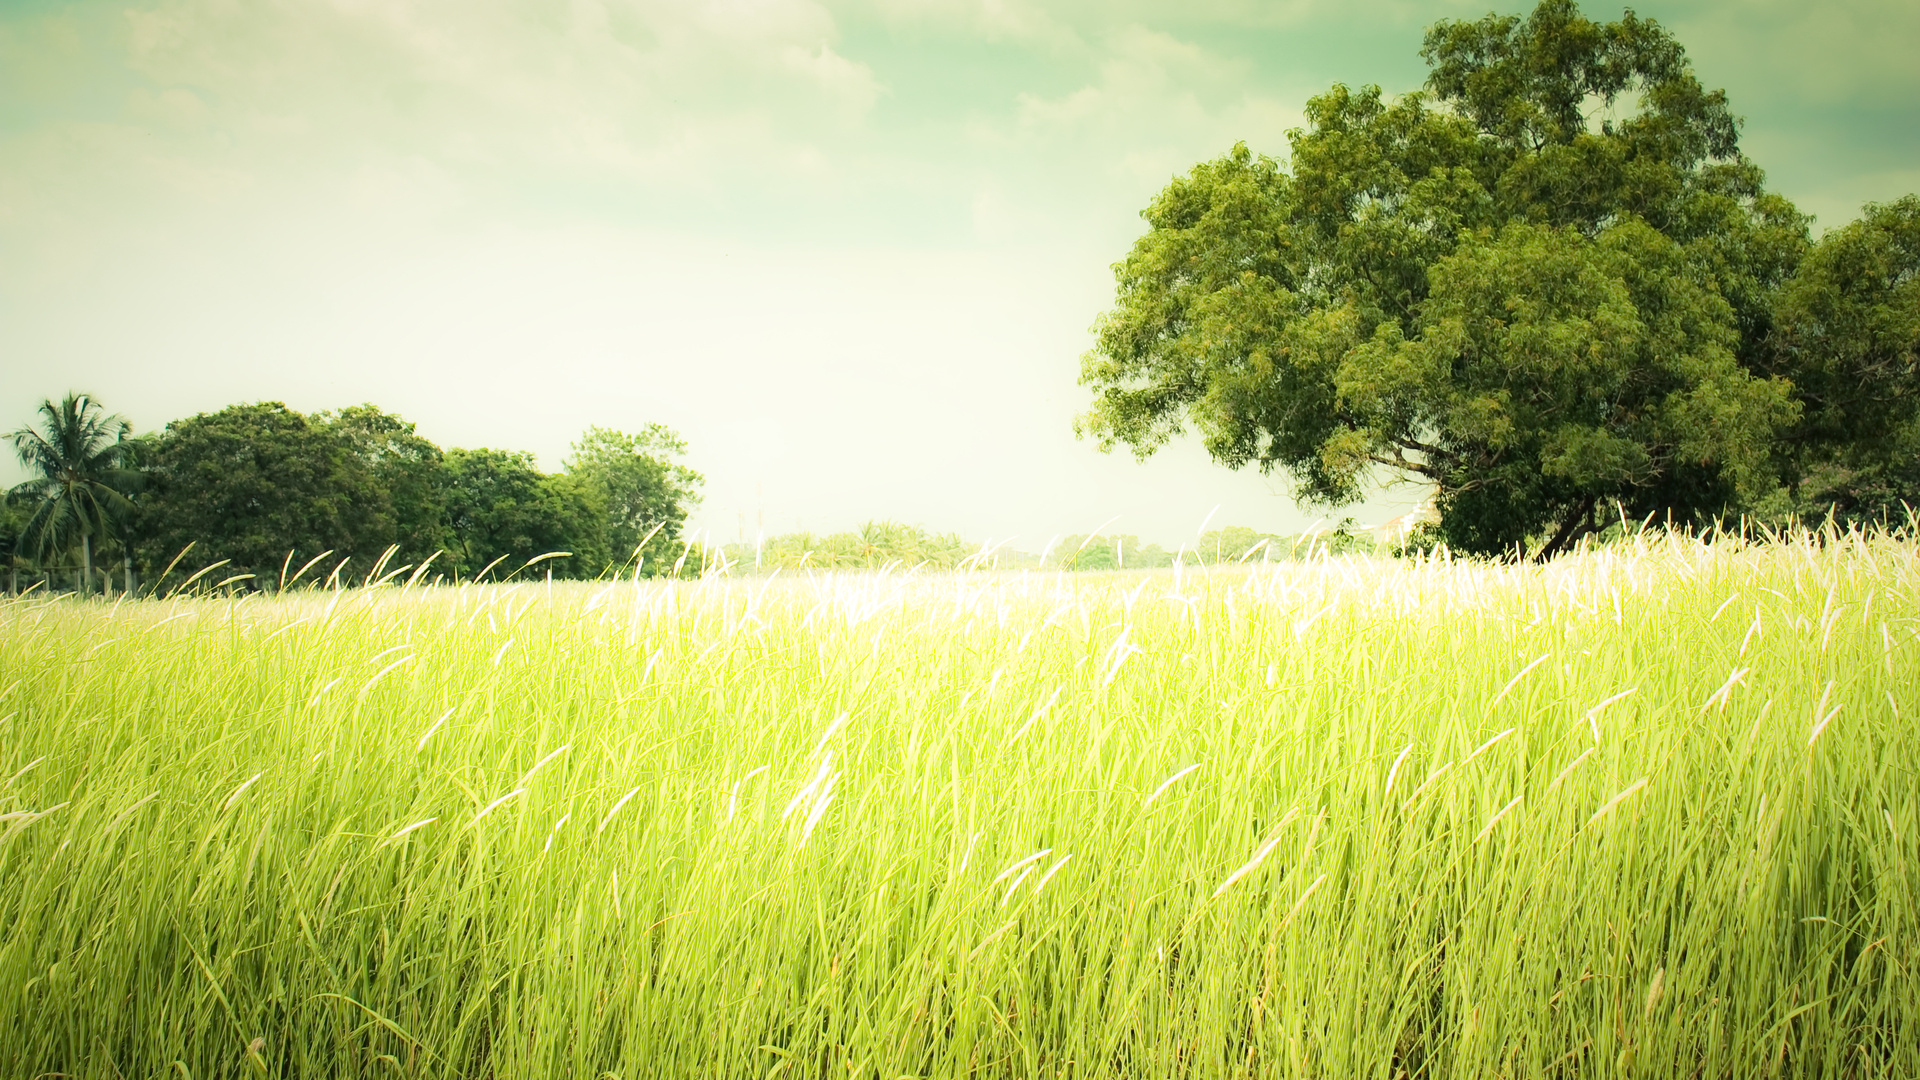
(328, 96)
(1859, 51)
(1155, 105)
(1023, 21)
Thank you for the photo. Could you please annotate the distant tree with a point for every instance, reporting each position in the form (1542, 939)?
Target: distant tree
(13, 519)
(1849, 339)
(874, 545)
(503, 511)
(1542, 286)
(1234, 543)
(579, 510)
(255, 483)
(644, 488)
(405, 501)
(80, 456)
(1106, 551)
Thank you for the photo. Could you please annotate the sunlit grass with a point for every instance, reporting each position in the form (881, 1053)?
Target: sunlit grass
(1647, 811)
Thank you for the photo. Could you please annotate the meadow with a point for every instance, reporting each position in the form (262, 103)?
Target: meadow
(1649, 810)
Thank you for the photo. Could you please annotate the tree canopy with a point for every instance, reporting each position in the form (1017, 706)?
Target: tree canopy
(644, 490)
(1549, 285)
(267, 489)
(503, 511)
(1850, 341)
(254, 484)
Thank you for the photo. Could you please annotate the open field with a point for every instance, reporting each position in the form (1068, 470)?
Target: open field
(1648, 811)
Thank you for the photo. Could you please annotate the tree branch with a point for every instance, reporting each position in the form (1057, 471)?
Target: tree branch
(1569, 531)
(1399, 462)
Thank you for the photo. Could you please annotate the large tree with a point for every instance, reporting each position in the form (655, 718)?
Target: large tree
(502, 511)
(81, 460)
(1544, 286)
(267, 488)
(405, 503)
(1849, 337)
(643, 486)
(257, 484)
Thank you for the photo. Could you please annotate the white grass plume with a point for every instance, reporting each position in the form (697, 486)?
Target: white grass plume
(538, 764)
(820, 777)
(1037, 714)
(1052, 870)
(1515, 681)
(1592, 726)
(1394, 771)
(1168, 782)
(1004, 874)
(733, 793)
(495, 805)
(1302, 902)
(1615, 801)
(1821, 724)
(421, 824)
(1484, 747)
(819, 809)
(1495, 819)
(239, 791)
(1571, 765)
(422, 744)
(616, 809)
(832, 729)
(1248, 866)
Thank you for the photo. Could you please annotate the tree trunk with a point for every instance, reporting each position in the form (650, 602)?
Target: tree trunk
(1569, 531)
(86, 566)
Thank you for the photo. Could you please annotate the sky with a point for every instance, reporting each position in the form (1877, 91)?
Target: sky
(849, 250)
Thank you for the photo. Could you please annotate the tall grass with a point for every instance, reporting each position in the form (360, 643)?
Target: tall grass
(1648, 811)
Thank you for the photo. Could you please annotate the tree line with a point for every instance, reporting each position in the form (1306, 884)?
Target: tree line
(1550, 285)
(269, 497)
(879, 545)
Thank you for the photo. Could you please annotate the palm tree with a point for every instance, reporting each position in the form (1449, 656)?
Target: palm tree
(83, 460)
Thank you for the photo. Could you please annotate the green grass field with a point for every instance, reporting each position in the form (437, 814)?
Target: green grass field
(1649, 811)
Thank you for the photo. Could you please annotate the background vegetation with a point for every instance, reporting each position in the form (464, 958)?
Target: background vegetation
(880, 545)
(263, 490)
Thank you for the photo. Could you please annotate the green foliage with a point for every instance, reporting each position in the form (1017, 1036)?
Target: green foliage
(873, 546)
(252, 483)
(405, 481)
(646, 493)
(1850, 341)
(1498, 286)
(1237, 543)
(1105, 551)
(502, 512)
(13, 549)
(1425, 819)
(1566, 380)
(82, 461)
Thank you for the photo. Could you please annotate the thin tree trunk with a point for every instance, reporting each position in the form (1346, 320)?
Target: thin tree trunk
(1569, 531)
(86, 566)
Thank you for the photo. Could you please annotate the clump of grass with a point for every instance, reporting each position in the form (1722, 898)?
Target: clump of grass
(1645, 811)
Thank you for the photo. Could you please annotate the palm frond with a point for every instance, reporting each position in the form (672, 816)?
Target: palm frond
(80, 454)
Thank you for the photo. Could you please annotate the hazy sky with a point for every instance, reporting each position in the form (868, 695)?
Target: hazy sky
(850, 250)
